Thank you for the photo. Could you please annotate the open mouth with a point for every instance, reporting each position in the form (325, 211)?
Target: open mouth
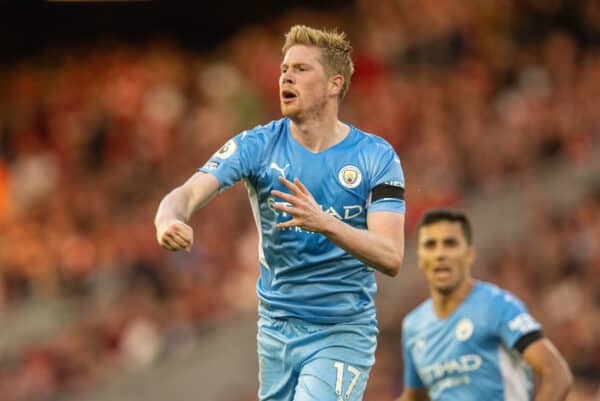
(442, 270)
(288, 95)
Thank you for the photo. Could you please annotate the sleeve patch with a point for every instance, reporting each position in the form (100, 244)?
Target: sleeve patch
(523, 323)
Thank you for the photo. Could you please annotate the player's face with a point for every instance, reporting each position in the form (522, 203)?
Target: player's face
(444, 256)
(302, 83)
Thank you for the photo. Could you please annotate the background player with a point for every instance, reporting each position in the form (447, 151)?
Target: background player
(328, 200)
(470, 340)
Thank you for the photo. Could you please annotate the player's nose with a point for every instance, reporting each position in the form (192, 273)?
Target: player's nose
(440, 253)
(287, 78)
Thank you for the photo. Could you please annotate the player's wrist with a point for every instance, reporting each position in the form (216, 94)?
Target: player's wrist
(163, 222)
(330, 224)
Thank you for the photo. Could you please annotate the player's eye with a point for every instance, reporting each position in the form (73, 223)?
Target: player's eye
(430, 244)
(450, 242)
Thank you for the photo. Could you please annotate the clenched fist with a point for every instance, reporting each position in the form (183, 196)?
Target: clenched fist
(175, 235)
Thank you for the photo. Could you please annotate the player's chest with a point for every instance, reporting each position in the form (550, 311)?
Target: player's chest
(457, 346)
(329, 177)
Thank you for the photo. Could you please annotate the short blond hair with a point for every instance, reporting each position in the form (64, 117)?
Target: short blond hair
(335, 50)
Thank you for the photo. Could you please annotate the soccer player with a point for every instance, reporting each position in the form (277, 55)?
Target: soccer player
(472, 341)
(328, 200)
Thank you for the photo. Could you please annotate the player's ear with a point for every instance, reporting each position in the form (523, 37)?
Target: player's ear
(336, 83)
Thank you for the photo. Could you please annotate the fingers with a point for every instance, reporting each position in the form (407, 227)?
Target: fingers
(296, 188)
(292, 186)
(287, 224)
(171, 244)
(301, 186)
(299, 203)
(177, 238)
(286, 208)
(286, 197)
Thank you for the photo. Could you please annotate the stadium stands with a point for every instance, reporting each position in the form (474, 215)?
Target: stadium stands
(477, 102)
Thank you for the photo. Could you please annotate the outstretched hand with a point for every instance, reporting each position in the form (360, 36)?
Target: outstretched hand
(301, 205)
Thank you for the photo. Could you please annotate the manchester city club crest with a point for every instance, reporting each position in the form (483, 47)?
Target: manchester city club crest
(464, 329)
(350, 176)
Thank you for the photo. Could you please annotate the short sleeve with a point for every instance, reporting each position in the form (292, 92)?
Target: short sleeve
(514, 321)
(387, 174)
(235, 160)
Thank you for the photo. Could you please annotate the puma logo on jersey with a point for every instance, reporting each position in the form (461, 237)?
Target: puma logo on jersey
(281, 170)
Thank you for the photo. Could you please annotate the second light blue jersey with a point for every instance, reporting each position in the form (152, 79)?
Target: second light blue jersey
(469, 356)
(303, 274)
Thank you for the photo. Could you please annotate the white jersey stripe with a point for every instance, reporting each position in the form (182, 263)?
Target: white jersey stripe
(253, 198)
(514, 377)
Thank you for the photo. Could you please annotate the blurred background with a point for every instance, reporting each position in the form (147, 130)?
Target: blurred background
(493, 106)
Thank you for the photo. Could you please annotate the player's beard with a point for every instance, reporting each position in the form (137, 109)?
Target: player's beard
(291, 111)
(296, 113)
(446, 289)
(453, 285)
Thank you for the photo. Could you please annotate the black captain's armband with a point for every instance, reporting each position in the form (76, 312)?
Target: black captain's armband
(527, 340)
(387, 191)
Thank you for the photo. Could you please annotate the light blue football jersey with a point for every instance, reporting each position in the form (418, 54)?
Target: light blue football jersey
(469, 355)
(303, 274)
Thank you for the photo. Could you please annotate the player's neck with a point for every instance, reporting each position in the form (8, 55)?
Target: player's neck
(318, 134)
(446, 303)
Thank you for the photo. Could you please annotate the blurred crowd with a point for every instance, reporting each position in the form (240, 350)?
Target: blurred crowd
(469, 94)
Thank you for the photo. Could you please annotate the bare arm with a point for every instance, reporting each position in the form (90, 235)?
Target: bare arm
(552, 370)
(381, 246)
(176, 208)
(414, 394)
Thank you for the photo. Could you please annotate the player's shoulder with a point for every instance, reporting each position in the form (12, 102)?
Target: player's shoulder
(372, 148)
(418, 318)
(368, 138)
(494, 295)
(263, 132)
(487, 289)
